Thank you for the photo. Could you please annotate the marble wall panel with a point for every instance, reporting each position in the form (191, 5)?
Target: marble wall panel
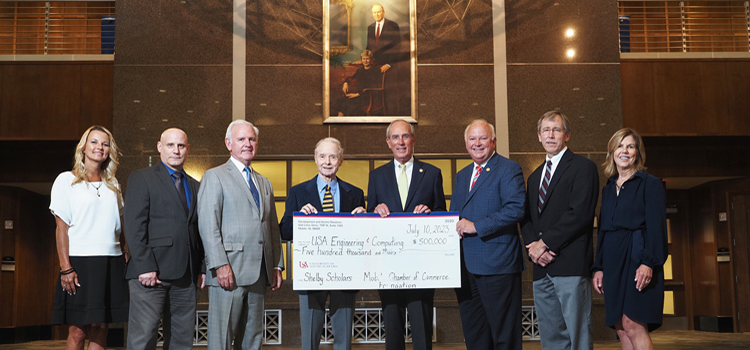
(284, 95)
(284, 32)
(535, 31)
(454, 32)
(173, 32)
(588, 94)
(450, 97)
(149, 99)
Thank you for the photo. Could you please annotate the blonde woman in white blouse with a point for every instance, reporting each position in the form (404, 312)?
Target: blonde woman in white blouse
(87, 205)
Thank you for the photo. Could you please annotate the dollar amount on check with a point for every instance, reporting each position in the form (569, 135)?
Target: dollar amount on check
(365, 251)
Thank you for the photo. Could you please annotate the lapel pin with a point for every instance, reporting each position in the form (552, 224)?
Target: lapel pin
(488, 169)
(421, 170)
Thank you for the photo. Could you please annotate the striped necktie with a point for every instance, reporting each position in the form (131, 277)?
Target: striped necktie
(328, 201)
(476, 176)
(545, 186)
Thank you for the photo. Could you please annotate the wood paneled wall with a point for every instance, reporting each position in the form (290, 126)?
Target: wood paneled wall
(686, 97)
(54, 101)
(714, 282)
(26, 294)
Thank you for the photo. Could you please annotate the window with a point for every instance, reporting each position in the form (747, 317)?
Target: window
(57, 27)
(684, 26)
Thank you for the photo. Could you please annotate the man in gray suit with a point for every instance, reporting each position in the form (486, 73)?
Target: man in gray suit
(240, 233)
(161, 226)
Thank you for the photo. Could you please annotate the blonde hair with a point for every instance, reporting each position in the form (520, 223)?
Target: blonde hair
(108, 167)
(610, 168)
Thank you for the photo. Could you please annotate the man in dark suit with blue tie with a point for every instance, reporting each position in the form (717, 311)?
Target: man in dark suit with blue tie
(161, 227)
(324, 193)
(406, 185)
(489, 197)
(558, 227)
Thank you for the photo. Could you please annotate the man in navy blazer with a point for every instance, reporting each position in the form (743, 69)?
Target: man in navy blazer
(161, 225)
(489, 198)
(310, 197)
(405, 185)
(561, 204)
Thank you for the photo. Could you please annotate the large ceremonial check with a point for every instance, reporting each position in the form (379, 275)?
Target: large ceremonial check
(365, 251)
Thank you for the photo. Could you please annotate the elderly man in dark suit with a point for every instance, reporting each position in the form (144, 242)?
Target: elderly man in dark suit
(489, 198)
(406, 185)
(561, 203)
(324, 193)
(240, 233)
(384, 40)
(161, 227)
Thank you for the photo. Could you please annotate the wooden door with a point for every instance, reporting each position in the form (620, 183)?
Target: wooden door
(740, 224)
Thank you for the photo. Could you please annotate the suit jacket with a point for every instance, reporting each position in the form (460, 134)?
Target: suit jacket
(161, 237)
(566, 222)
(234, 231)
(386, 50)
(495, 205)
(350, 197)
(426, 188)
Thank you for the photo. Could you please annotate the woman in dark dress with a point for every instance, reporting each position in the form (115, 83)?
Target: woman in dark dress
(366, 77)
(632, 243)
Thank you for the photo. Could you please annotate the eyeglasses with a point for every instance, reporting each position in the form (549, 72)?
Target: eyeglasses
(555, 130)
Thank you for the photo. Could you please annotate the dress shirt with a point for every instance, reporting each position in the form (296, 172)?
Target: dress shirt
(555, 161)
(241, 168)
(334, 192)
(379, 25)
(474, 171)
(188, 194)
(409, 166)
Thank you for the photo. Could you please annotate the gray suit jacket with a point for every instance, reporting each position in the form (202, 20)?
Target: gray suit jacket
(232, 228)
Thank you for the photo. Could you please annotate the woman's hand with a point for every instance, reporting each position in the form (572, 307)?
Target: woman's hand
(597, 282)
(642, 277)
(70, 282)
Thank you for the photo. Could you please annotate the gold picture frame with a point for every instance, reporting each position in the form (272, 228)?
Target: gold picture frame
(384, 90)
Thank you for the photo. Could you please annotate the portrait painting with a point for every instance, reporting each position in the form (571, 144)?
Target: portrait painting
(369, 61)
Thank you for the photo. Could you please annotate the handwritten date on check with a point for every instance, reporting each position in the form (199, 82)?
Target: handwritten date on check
(365, 251)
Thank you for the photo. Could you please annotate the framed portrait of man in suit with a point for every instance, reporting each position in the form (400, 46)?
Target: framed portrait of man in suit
(369, 61)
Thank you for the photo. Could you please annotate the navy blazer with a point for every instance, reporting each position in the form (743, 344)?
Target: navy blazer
(161, 237)
(426, 188)
(350, 197)
(566, 223)
(495, 205)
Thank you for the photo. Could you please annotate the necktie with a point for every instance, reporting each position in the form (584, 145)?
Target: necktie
(180, 190)
(403, 185)
(545, 186)
(253, 189)
(476, 176)
(328, 201)
(377, 32)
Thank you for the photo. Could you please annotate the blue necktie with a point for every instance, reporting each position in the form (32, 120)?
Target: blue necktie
(253, 189)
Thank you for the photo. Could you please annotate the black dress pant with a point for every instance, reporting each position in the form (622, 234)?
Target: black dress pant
(419, 302)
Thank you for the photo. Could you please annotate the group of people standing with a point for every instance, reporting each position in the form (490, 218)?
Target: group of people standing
(180, 235)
